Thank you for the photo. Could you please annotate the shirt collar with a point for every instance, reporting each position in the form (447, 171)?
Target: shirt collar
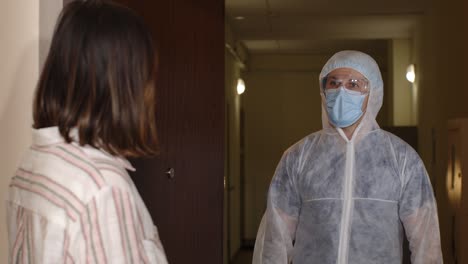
(46, 136)
(51, 135)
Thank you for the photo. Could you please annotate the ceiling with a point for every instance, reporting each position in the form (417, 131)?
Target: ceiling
(321, 26)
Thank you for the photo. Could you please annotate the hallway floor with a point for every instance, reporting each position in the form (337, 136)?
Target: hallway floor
(243, 257)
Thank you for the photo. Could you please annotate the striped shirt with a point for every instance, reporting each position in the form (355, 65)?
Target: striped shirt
(77, 204)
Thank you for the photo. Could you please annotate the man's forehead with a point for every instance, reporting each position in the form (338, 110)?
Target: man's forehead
(346, 71)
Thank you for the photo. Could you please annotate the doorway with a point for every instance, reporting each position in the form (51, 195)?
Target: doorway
(282, 46)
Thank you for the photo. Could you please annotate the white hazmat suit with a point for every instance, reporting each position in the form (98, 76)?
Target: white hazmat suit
(339, 200)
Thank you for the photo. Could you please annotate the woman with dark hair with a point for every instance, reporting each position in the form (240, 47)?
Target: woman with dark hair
(71, 199)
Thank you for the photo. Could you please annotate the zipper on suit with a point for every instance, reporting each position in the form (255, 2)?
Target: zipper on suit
(348, 204)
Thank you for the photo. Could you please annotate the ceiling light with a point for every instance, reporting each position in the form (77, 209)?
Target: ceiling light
(410, 73)
(239, 18)
(240, 86)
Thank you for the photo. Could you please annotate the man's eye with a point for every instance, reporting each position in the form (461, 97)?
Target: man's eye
(353, 85)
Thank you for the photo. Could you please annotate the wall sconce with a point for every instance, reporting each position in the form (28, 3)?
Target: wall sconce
(240, 86)
(410, 73)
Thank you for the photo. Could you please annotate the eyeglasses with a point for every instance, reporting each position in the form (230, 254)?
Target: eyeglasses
(349, 82)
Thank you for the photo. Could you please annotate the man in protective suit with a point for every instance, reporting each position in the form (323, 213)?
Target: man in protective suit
(343, 194)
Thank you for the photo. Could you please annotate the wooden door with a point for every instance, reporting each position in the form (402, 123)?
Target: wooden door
(187, 209)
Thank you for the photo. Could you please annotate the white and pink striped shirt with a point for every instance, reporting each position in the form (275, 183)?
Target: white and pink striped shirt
(73, 204)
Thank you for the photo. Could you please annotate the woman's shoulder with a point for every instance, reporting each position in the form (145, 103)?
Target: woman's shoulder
(81, 170)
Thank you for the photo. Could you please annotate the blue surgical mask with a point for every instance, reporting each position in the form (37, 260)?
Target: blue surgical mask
(344, 107)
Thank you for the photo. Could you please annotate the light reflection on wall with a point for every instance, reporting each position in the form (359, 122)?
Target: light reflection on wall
(457, 150)
(453, 177)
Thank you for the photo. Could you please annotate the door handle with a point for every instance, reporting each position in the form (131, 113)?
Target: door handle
(170, 173)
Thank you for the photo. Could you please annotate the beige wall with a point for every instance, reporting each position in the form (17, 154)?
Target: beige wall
(22, 24)
(402, 92)
(19, 30)
(442, 55)
(232, 72)
(282, 105)
(233, 100)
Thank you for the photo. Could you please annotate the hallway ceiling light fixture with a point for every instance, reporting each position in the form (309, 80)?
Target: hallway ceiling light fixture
(239, 18)
(410, 73)
(240, 86)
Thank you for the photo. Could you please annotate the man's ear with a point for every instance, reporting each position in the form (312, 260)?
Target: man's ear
(366, 103)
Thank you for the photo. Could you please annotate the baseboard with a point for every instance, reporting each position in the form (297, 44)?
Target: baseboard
(248, 243)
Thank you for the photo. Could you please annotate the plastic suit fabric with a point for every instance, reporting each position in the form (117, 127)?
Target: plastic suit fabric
(335, 200)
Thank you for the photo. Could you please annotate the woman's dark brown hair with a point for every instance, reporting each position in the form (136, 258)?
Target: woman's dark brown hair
(99, 78)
